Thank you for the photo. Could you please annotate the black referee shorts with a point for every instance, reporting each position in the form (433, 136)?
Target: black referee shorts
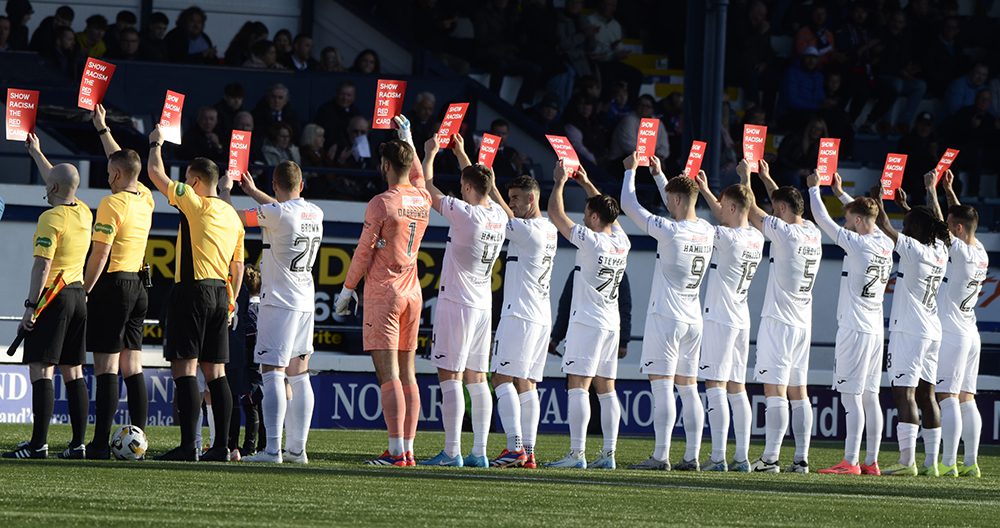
(59, 335)
(117, 307)
(198, 322)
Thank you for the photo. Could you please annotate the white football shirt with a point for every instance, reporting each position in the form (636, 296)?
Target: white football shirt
(530, 253)
(959, 295)
(293, 232)
(796, 251)
(914, 299)
(474, 240)
(683, 253)
(735, 260)
(600, 266)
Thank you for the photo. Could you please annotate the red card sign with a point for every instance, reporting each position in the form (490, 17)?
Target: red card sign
(239, 154)
(695, 157)
(22, 107)
(826, 162)
(946, 160)
(892, 175)
(388, 103)
(645, 143)
(170, 118)
(565, 152)
(754, 137)
(94, 83)
(451, 123)
(488, 149)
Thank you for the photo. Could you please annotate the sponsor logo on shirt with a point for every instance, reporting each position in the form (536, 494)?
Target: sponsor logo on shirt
(103, 228)
(180, 189)
(43, 241)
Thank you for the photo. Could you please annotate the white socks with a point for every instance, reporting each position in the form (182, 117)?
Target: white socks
(742, 416)
(274, 406)
(482, 415)
(211, 425)
(694, 420)
(664, 416)
(874, 423)
(932, 446)
(509, 409)
(972, 428)
(907, 435)
(951, 430)
(776, 423)
(802, 426)
(718, 421)
(452, 413)
(579, 418)
(531, 411)
(855, 416)
(299, 416)
(611, 416)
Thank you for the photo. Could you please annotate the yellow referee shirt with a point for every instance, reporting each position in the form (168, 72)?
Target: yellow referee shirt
(209, 238)
(123, 222)
(63, 236)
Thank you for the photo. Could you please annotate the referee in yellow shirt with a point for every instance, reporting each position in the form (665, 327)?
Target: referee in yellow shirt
(58, 336)
(209, 251)
(116, 300)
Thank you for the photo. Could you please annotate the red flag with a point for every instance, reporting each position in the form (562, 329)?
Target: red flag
(754, 137)
(946, 160)
(488, 149)
(695, 157)
(170, 118)
(22, 108)
(239, 154)
(892, 175)
(388, 103)
(826, 161)
(451, 123)
(94, 83)
(645, 143)
(564, 151)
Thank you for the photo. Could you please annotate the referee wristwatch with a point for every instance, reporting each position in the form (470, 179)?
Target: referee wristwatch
(154, 144)
(28, 303)
(103, 131)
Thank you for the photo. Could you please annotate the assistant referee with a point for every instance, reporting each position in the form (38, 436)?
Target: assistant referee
(209, 251)
(116, 300)
(57, 337)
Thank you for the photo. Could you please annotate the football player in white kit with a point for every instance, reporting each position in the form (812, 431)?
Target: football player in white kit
(725, 347)
(915, 333)
(860, 326)
(786, 321)
(592, 339)
(293, 231)
(522, 338)
(460, 343)
(958, 363)
(672, 336)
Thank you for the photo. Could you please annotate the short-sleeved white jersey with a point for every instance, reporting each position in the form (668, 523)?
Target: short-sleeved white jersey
(735, 258)
(600, 266)
(914, 299)
(959, 295)
(474, 240)
(292, 232)
(684, 251)
(796, 251)
(530, 252)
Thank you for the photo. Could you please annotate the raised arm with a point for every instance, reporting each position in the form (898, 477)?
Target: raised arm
(656, 169)
(706, 192)
(588, 186)
(930, 183)
(630, 203)
(901, 201)
(556, 209)
(107, 140)
(497, 197)
(430, 152)
(820, 214)
(250, 189)
(882, 220)
(949, 191)
(35, 151)
(157, 173)
(837, 186)
(765, 178)
(755, 214)
(458, 148)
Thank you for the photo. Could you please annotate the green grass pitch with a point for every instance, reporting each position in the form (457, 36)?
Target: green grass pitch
(336, 489)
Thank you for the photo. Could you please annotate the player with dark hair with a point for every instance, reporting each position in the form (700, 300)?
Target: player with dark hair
(592, 339)
(209, 255)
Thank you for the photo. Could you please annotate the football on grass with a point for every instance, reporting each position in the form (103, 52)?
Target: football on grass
(128, 443)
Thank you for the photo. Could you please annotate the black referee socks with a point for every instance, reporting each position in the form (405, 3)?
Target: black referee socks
(222, 408)
(76, 398)
(107, 404)
(43, 398)
(188, 401)
(138, 400)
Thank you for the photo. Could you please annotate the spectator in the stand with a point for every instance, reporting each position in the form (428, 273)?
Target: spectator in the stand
(367, 63)
(128, 45)
(944, 60)
(962, 92)
(498, 43)
(606, 49)
(301, 57)
(19, 12)
(546, 113)
(188, 42)
(334, 114)
(923, 20)
(238, 52)
(797, 153)
(125, 19)
(859, 46)
(273, 108)
(975, 130)
(624, 136)
(329, 61)
(263, 56)
(898, 76)
(803, 88)
(91, 39)
(508, 162)
(64, 57)
(44, 35)
(153, 46)
(672, 117)
(921, 148)
(312, 147)
(834, 113)
(278, 146)
(283, 43)
(572, 36)
(4, 34)
(617, 107)
(356, 151)
(227, 107)
(244, 121)
(433, 23)
(817, 35)
(584, 130)
(201, 140)
(750, 52)
(423, 125)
